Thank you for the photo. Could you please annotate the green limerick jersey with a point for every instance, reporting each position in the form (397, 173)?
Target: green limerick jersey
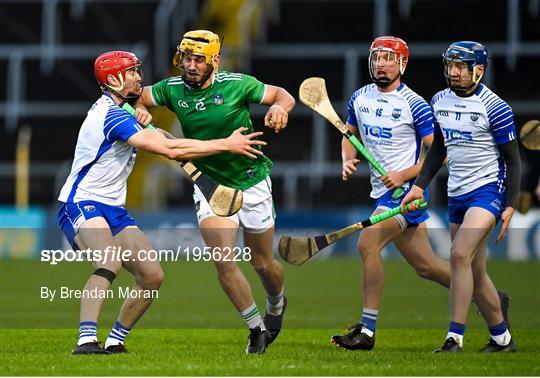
(214, 113)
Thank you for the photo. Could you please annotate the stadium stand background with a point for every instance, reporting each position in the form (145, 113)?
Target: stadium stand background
(47, 49)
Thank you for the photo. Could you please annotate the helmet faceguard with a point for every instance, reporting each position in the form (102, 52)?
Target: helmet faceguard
(397, 52)
(473, 54)
(198, 43)
(117, 63)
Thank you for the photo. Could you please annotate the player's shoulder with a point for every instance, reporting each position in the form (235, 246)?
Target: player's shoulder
(172, 80)
(105, 101)
(440, 95)
(111, 112)
(365, 90)
(97, 114)
(102, 106)
(223, 76)
(488, 97)
(111, 106)
(412, 98)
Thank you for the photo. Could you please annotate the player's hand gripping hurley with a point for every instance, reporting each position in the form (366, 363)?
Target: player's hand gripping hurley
(223, 201)
(296, 250)
(313, 94)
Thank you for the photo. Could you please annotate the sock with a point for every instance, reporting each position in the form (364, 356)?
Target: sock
(369, 319)
(274, 304)
(252, 317)
(117, 335)
(500, 334)
(456, 331)
(87, 333)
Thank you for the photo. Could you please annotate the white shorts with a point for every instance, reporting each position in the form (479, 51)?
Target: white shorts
(257, 213)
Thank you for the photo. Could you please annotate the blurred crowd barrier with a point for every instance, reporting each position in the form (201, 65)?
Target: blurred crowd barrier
(25, 234)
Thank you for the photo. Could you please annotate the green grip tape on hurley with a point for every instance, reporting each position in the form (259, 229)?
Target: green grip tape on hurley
(395, 211)
(128, 108)
(398, 192)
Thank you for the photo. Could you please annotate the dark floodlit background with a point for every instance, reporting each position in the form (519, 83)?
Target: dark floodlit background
(47, 50)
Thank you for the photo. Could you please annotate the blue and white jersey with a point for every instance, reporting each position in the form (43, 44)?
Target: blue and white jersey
(472, 127)
(103, 160)
(391, 126)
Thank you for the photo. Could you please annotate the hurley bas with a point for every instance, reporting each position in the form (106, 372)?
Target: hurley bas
(65, 292)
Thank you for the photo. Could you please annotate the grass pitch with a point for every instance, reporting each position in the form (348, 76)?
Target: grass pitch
(192, 329)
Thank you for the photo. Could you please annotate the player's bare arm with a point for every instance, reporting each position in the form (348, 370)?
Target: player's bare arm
(165, 133)
(186, 149)
(395, 179)
(281, 103)
(146, 98)
(235, 136)
(348, 154)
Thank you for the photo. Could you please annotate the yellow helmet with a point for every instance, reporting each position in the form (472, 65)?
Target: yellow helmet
(200, 42)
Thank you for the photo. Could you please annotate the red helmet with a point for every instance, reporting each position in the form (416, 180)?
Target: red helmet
(398, 52)
(389, 43)
(114, 63)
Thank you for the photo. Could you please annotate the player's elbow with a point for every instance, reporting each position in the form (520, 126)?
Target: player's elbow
(170, 150)
(291, 101)
(284, 99)
(155, 147)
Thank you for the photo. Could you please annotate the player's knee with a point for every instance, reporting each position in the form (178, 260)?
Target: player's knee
(261, 263)
(114, 266)
(108, 273)
(367, 249)
(152, 280)
(258, 263)
(459, 258)
(225, 268)
(263, 267)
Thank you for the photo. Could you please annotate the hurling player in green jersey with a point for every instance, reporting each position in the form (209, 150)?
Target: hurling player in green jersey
(209, 105)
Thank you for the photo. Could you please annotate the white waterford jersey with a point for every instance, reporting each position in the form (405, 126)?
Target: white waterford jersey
(472, 127)
(103, 160)
(391, 126)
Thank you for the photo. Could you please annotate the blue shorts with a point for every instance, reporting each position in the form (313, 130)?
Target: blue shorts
(72, 214)
(415, 218)
(487, 197)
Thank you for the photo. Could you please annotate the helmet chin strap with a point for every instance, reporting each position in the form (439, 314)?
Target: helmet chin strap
(475, 79)
(464, 90)
(130, 97)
